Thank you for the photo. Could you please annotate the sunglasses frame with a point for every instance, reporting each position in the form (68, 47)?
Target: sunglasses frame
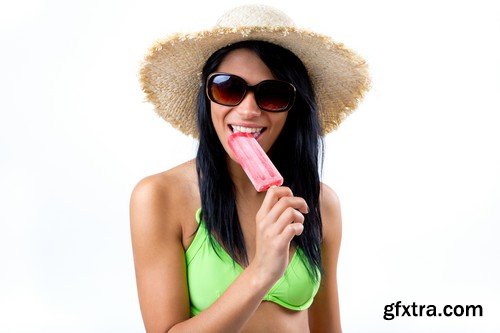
(253, 88)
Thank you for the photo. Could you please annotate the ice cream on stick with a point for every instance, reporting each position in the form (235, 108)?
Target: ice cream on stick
(254, 161)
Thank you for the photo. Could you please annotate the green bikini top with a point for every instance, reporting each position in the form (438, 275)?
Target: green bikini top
(208, 276)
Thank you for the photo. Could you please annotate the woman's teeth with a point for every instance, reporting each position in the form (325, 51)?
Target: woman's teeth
(246, 129)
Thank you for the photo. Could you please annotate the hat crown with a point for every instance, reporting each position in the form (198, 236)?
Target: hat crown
(254, 15)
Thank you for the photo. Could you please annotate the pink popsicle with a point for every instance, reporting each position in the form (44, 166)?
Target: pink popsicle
(254, 161)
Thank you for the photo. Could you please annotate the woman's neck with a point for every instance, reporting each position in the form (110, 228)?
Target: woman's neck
(243, 185)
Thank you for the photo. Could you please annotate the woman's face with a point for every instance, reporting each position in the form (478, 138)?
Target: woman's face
(249, 66)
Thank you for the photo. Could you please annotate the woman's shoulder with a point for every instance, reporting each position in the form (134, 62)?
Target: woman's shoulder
(181, 174)
(176, 183)
(328, 195)
(330, 212)
(172, 193)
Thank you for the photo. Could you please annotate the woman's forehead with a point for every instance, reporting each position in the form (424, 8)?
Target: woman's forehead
(246, 64)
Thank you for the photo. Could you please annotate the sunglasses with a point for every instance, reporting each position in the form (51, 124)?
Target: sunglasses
(230, 90)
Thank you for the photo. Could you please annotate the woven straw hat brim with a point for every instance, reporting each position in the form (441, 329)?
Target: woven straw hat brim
(171, 71)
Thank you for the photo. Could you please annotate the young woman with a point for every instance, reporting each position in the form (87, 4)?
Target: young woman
(211, 253)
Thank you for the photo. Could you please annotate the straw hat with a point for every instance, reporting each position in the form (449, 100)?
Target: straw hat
(171, 71)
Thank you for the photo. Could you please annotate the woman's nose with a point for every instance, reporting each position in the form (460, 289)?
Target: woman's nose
(248, 107)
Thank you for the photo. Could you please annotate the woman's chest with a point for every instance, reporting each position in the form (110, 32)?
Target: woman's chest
(211, 270)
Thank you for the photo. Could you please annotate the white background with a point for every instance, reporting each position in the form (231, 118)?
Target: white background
(416, 167)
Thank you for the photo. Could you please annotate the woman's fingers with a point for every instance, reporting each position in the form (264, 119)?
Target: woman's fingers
(291, 231)
(273, 195)
(284, 203)
(289, 216)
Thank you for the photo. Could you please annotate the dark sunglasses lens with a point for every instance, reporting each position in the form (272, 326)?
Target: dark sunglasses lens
(275, 96)
(226, 89)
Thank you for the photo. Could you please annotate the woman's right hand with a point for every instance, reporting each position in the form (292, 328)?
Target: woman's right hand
(278, 220)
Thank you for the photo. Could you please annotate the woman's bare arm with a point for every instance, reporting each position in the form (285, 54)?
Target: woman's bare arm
(161, 271)
(324, 314)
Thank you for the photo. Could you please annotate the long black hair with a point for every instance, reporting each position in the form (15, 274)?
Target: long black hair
(295, 154)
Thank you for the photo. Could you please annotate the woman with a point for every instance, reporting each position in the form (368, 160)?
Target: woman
(211, 253)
